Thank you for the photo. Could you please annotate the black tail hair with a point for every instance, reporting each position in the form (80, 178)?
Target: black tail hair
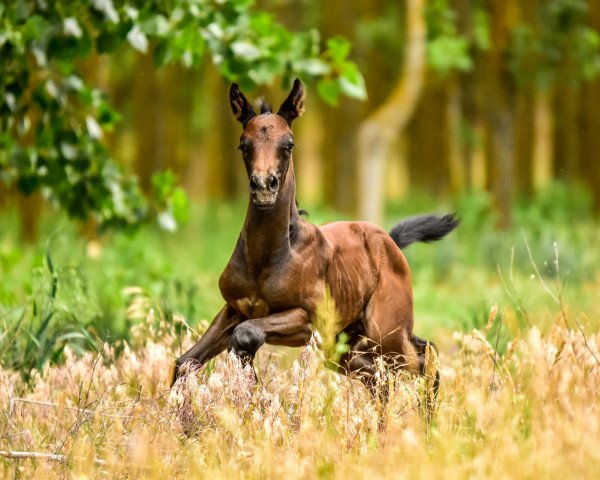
(423, 228)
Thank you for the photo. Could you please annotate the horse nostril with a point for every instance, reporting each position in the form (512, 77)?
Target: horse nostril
(254, 183)
(273, 183)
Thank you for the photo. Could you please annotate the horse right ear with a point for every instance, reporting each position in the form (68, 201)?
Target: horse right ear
(241, 108)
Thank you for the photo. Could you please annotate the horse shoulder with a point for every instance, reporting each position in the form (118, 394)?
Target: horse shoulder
(235, 282)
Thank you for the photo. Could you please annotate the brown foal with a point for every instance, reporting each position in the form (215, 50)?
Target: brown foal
(282, 265)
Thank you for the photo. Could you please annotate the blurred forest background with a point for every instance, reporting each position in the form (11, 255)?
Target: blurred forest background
(487, 107)
(497, 96)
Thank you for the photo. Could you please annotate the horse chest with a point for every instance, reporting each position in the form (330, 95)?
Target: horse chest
(252, 307)
(256, 296)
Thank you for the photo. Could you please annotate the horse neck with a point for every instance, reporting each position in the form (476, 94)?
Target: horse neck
(266, 234)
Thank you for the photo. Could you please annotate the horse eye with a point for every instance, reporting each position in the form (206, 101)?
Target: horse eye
(290, 146)
(242, 147)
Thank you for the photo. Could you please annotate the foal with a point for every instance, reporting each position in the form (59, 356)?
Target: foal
(282, 265)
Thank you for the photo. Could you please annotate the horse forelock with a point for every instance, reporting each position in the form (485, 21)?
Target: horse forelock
(264, 106)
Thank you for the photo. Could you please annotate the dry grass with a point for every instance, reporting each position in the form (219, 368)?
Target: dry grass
(532, 413)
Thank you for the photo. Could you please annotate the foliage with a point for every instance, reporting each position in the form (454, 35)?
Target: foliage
(556, 46)
(448, 49)
(53, 122)
(36, 332)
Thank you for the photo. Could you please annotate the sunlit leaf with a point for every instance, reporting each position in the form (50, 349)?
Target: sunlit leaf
(352, 83)
(138, 39)
(71, 27)
(245, 50)
(107, 8)
(93, 127)
(313, 66)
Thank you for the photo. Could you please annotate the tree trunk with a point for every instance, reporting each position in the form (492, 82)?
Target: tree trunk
(499, 112)
(456, 163)
(383, 126)
(590, 138)
(543, 135)
(148, 106)
(428, 137)
(214, 181)
(338, 151)
(524, 134)
(29, 211)
(566, 141)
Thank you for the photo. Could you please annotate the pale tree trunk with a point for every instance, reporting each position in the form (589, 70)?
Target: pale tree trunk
(377, 133)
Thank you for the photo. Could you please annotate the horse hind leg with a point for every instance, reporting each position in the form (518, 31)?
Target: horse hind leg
(360, 363)
(428, 367)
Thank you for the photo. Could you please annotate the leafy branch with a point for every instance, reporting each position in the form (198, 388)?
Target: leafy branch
(53, 123)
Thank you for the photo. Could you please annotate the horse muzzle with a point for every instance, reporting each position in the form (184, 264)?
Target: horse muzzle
(264, 189)
(264, 199)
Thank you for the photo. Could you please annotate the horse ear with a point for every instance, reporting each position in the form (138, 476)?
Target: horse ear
(293, 106)
(241, 108)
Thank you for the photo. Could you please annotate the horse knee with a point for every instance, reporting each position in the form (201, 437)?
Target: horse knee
(247, 339)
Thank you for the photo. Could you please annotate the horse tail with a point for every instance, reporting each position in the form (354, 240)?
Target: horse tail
(423, 228)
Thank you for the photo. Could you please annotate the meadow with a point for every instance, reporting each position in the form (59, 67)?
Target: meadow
(89, 329)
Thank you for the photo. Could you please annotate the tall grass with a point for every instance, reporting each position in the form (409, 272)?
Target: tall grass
(533, 412)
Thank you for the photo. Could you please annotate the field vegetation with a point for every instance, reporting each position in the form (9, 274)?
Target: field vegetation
(89, 328)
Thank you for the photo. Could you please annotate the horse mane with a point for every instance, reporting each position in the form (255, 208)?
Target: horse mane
(301, 211)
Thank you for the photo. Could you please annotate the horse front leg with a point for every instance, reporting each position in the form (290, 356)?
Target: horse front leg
(216, 339)
(290, 328)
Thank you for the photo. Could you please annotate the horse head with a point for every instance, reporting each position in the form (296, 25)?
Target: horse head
(267, 142)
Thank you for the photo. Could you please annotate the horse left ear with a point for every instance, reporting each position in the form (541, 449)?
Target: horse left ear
(293, 106)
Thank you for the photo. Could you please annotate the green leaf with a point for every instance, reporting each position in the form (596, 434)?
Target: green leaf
(37, 28)
(156, 25)
(352, 82)
(180, 205)
(338, 49)
(162, 53)
(329, 90)
(447, 53)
